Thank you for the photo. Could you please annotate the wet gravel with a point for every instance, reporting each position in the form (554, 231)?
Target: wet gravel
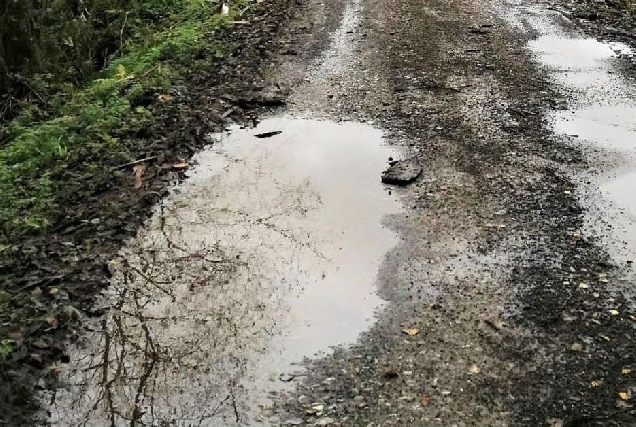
(521, 318)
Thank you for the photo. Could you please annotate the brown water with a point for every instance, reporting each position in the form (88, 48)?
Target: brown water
(267, 254)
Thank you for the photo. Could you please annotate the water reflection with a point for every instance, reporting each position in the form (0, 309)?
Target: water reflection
(266, 255)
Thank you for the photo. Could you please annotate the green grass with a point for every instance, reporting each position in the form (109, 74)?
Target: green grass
(6, 347)
(50, 156)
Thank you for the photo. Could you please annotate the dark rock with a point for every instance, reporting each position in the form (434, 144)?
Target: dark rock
(402, 172)
(286, 377)
(268, 134)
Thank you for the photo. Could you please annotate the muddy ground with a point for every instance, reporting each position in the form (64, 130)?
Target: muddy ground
(513, 315)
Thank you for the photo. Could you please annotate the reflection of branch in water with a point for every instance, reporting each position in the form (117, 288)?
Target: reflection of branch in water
(236, 412)
(160, 334)
(265, 222)
(150, 361)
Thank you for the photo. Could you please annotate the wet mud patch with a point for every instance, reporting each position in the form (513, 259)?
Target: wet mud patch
(266, 254)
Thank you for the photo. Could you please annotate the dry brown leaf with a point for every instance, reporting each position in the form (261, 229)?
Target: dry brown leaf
(164, 97)
(411, 331)
(139, 172)
(181, 165)
(623, 395)
(626, 371)
(425, 401)
(475, 370)
(614, 312)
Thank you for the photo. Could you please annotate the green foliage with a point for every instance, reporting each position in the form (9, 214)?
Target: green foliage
(82, 131)
(6, 347)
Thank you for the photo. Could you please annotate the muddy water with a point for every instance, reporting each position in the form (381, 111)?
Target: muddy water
(265, 255)
(601, 119)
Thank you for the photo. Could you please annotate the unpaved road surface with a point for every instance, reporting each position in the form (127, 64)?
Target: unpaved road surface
(283, 284)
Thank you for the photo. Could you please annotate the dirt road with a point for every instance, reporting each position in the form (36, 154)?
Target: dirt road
(283, 284)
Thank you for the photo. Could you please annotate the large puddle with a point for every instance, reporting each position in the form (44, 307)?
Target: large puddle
(601, 116)
(267, 254)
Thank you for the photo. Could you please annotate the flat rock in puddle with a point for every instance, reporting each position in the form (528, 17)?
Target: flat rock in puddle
(402, 172)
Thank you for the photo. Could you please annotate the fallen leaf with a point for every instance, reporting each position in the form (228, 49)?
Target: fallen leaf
(411, 331)
(595, 384)
(614, 312)
(425, 401)
(583, 285)
(623, 395)
(55, 368)
(475, 370)
(626, 371)
(51, 321)
(555, 422)
(139, 170)
(576, 347)
(164, 97)
(181, 165)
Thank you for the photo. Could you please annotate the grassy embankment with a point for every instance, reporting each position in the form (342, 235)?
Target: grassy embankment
(63, 146)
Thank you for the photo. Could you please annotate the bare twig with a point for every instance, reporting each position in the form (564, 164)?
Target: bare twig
(134, 163)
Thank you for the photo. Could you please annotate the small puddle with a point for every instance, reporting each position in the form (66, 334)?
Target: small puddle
(602, 114)
(265, 255)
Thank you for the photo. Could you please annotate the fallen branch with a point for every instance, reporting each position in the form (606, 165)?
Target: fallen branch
(134, 163)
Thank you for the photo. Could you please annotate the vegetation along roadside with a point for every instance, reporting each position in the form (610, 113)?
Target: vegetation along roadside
(102, 103)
